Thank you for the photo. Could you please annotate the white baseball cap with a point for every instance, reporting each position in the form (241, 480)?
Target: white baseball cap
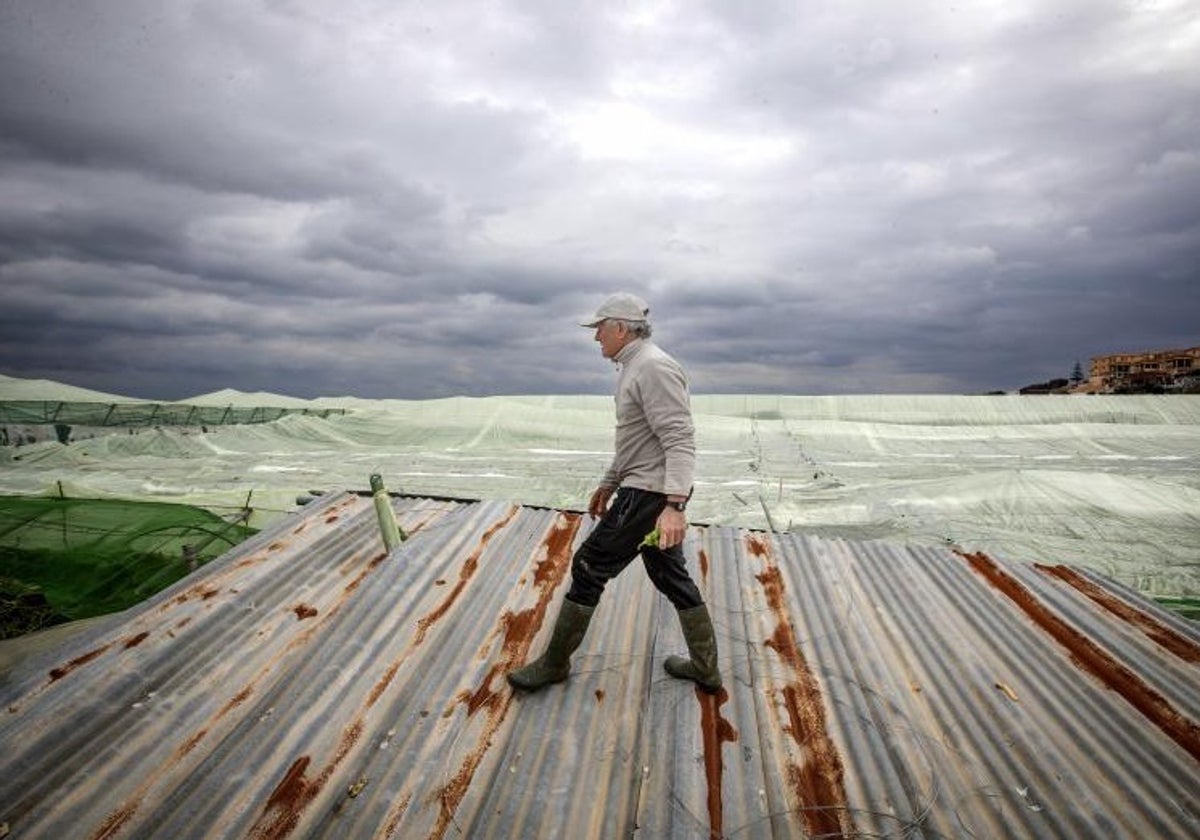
(622, 306)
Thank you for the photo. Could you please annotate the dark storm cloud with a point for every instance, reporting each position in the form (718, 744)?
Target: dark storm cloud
(421, 199)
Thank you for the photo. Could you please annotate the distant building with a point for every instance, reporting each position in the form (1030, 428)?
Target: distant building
(1054, 386)
(1156, 369)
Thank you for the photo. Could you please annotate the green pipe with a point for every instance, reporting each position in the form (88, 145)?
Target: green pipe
(393, 534)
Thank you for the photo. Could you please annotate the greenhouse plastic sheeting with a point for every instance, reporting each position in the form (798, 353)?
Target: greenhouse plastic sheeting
(1107, 482)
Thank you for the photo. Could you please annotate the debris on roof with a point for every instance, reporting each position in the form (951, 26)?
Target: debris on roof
(310, 684)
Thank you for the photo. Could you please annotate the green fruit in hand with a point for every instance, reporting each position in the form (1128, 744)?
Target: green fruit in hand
(650, 539)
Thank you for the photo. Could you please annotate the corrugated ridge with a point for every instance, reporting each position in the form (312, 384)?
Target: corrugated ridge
(1020, 762)
(445, 668)
(834, 609)
(1153, 630)
(133, 682)
(185, 694)
(308, 685)
(1075, 735)
(703, 775)
(580, 739)
(804, 789)
(1096, 656)
(301, 736)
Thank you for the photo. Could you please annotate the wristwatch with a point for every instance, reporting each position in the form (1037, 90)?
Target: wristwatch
(679, 506)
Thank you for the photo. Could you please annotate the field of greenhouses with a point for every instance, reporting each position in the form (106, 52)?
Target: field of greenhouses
(1107, 482)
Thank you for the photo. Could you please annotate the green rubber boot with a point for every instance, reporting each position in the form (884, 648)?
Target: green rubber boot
(554, 665)
(700, 665)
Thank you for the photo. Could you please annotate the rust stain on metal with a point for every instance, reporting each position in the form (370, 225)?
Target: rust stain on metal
(304, 611)
(282, 813)
(123, 814)
(416, 527)
(469, 567)
(783, 639)
(134, 641)
(451, 794)
(715, 731)
(519, 629)
(78, 662)
(190, 744)
(1090, 657)
(484, 697)
(551, 569)
(821, 779)
(703, 557)
(396, 815)
(114, 823)
(382, 684)
(1164, 636)
(758, 545)
(819, 782)
(496, 706)
(202, 590)
(301, 639)
(361, 576)
(296, 791)
(235, 701)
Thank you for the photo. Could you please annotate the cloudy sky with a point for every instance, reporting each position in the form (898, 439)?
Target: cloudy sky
(419, 199)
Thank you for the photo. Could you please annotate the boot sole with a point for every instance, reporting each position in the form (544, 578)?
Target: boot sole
(533, 686)
(709, 688)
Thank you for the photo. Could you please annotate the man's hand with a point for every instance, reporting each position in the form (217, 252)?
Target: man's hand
(672, 525)
(599, 502)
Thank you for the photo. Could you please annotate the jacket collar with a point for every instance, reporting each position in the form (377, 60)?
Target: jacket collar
(627, 353)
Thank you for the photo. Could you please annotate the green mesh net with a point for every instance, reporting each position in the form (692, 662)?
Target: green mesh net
(144, 414)
(66, 559)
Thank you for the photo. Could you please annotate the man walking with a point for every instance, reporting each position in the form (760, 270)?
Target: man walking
(651, 477)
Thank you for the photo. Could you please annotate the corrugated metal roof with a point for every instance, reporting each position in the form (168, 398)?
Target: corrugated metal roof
(309, 685)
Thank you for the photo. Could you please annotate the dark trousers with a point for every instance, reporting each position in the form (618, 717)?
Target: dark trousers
(613, 544)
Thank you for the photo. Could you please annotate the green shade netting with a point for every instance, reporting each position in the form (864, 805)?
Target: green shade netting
(66, 559)
(40, 412)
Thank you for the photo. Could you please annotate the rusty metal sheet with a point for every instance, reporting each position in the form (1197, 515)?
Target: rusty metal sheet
(309, 684)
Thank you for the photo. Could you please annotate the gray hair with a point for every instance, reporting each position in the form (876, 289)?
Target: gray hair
(641, 329)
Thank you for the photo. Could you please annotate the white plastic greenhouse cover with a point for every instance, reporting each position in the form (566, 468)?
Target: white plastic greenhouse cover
(1107, 482)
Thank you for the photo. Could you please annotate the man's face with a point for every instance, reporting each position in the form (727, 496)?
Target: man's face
(612, 335)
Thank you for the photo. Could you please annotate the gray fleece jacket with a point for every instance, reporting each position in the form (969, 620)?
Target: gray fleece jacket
(655, 436)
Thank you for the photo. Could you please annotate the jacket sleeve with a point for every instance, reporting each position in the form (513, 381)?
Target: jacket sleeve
(665, 401)
(611, 480)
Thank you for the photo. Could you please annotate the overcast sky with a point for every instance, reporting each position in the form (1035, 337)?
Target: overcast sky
(420, 199)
